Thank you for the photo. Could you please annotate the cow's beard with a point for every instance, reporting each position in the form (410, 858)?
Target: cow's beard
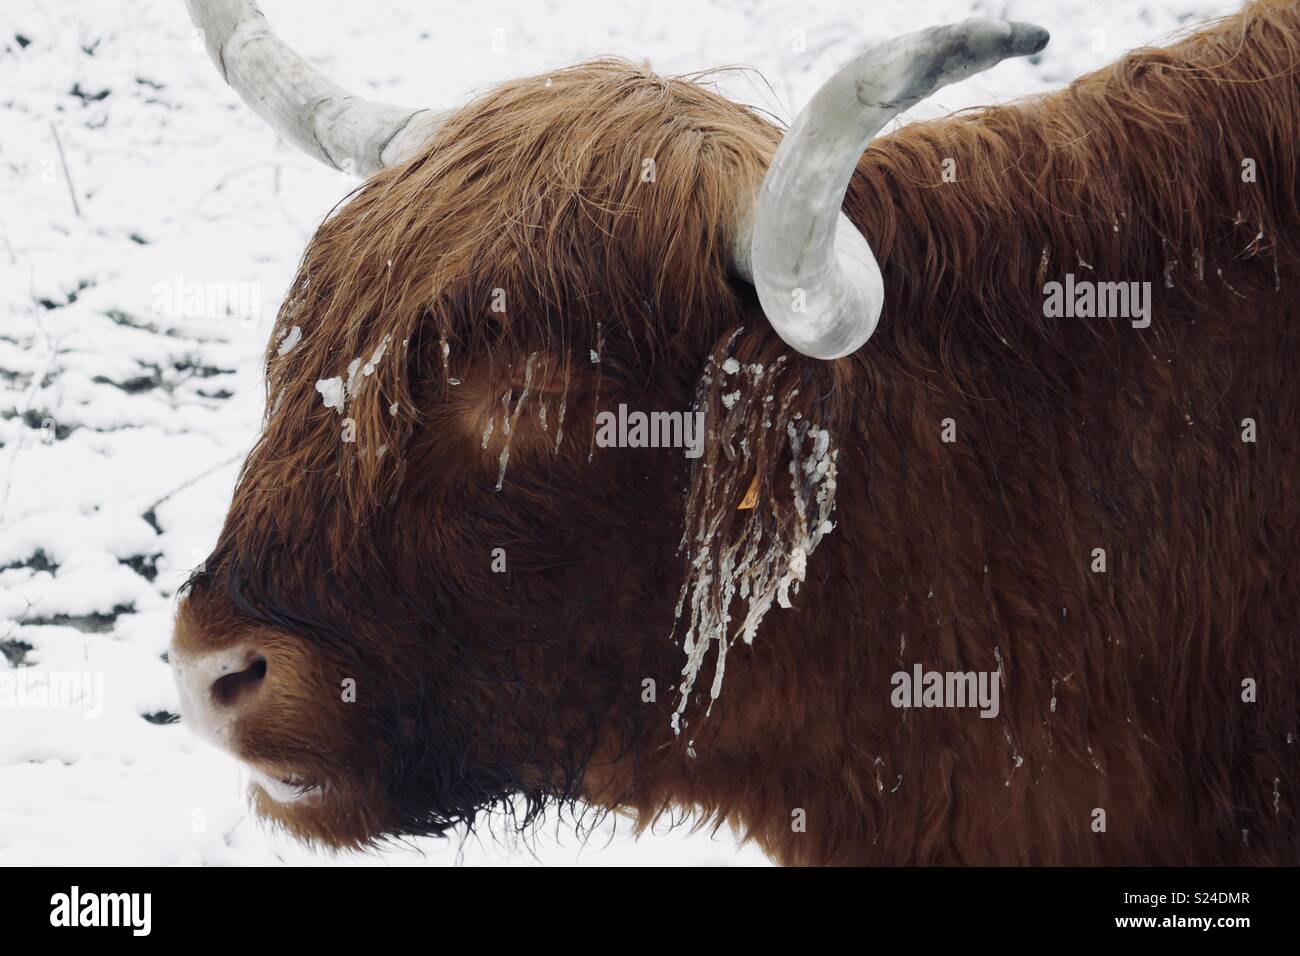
(453, 779)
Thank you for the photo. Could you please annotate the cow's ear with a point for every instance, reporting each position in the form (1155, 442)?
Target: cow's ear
(762, 491)
(754, 393)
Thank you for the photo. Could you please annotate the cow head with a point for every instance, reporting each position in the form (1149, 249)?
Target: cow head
(436, 588)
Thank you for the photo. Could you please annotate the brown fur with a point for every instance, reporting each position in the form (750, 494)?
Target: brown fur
(1122, 690)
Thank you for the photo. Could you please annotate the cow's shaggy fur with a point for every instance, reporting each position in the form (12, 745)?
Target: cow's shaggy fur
(530, 268)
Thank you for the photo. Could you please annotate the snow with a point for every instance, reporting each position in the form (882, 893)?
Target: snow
(289, 341)
(369, 367)
(331, 392)
(149, 227)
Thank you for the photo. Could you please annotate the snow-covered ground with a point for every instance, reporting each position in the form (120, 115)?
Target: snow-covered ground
(149, 224)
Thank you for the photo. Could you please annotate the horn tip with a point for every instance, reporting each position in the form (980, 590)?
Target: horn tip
(1027, 38)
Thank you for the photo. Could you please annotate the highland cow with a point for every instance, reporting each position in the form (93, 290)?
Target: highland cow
(437, 597)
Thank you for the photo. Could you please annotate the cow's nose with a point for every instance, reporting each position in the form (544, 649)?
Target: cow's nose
(217, 686)
(238, 686)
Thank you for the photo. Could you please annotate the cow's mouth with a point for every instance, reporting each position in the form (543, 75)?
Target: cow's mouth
(288, 788)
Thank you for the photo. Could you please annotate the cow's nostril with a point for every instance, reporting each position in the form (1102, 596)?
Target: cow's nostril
(237, 687)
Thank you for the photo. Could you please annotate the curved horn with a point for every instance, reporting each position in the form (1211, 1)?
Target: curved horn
(816, 277)
(348, 133)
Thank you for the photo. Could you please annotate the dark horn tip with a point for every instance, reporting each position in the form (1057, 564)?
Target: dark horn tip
(1027, 38)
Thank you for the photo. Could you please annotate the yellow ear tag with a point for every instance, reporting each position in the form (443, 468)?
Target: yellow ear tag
(751, 496)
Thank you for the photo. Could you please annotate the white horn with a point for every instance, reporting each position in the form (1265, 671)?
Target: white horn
(350, 134)
(815, 274)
